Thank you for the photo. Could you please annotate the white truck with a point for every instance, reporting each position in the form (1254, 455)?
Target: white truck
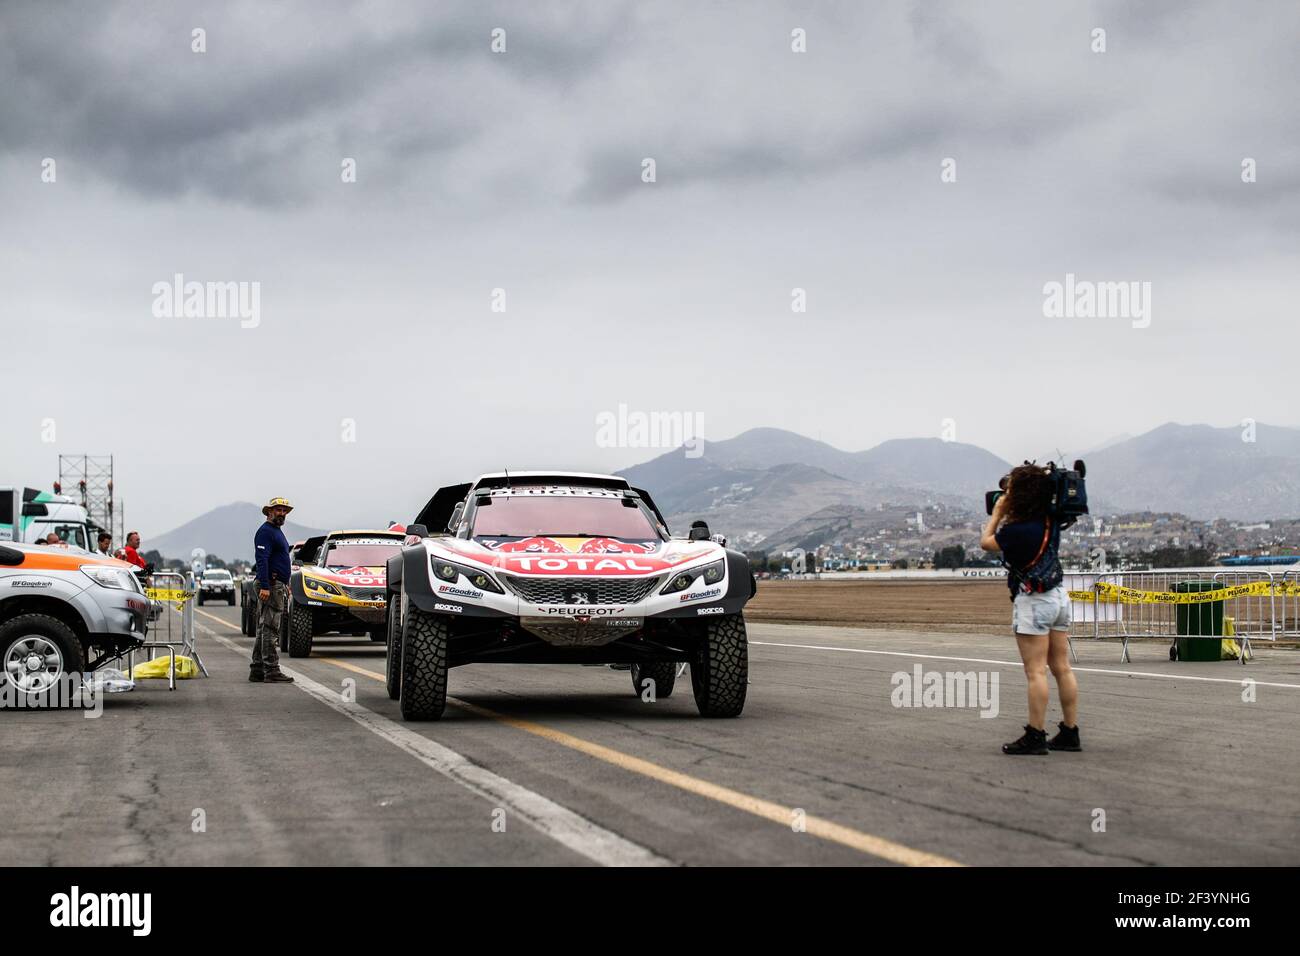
(28, 516)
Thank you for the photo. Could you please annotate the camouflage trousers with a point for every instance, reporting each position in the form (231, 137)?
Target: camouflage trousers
(266, 646)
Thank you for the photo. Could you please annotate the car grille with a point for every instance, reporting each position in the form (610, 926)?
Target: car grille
(554, 590)
(365, 594)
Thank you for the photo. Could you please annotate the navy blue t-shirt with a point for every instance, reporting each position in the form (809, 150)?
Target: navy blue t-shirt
(271, 548)
(1021, 540)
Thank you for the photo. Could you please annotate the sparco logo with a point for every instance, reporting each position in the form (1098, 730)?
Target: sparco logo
(452, 608)
(710, 610)
(76, 909)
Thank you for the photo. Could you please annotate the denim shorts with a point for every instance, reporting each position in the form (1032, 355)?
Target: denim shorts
(1040, 613)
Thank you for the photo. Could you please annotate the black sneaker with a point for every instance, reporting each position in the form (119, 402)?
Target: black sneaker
(1033, 742)
(1066, 739)
(280, 677)
(256, 676)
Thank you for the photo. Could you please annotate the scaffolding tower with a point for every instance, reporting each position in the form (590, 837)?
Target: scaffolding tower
(89, 479)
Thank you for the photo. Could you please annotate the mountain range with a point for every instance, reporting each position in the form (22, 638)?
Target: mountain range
(226, 532)
(768, 481)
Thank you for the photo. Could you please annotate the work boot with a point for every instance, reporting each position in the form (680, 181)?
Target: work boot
(1033, 742)
(280, 677)
(256, 676)
(1066, 739)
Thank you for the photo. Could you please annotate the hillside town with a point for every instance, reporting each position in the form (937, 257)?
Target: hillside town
(906, 537)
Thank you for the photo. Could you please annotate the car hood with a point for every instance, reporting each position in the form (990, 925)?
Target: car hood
(576, 556)
(352, 577)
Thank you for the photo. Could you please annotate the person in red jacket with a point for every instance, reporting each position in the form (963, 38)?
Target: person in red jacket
(132, 550)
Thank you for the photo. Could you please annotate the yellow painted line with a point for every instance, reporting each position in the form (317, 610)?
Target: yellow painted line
(775, 812)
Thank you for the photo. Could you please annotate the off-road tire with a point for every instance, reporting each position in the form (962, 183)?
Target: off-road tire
(57, 633)
(393, 659)
(720, 672)
(423, 694)
(663, 673)
(300, 630)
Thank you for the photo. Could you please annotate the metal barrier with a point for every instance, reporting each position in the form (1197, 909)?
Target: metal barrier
(1289, 604)
(172, 594)
(1255, 613)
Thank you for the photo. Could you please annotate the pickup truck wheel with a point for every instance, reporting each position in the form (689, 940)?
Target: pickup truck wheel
(720, 671)
(393, 663)
(300, 626)
(423, 694)
(664, 675)
(38, 652)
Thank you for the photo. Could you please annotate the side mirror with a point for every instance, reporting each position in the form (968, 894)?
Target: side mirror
(417, 531)
(699, 531)
(719, 539)
(454, 521)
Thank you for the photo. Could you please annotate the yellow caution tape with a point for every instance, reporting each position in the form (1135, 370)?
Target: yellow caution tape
(1105, 593)
(177, 596)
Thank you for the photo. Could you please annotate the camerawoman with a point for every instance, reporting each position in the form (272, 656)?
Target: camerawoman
(1026, 517)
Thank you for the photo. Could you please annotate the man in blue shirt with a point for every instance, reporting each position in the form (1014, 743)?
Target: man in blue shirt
(271, 548)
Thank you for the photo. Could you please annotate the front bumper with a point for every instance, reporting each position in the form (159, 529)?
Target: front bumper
(593, 618)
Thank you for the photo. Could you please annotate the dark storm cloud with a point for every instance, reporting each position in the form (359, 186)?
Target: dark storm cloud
(117, 88)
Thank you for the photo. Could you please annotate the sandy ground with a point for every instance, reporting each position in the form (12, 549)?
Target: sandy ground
(979, 606)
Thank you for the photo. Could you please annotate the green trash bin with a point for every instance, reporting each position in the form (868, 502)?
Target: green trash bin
(1199, 626)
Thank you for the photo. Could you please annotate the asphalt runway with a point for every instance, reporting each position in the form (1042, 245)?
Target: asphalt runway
(565, 765)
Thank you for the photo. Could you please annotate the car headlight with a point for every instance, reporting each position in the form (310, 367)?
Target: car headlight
(312, 584)
(107, 577)
(709, 573)
(450, 571)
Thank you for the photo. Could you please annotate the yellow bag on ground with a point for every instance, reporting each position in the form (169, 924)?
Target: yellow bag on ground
(158, 667)
(1231, 651)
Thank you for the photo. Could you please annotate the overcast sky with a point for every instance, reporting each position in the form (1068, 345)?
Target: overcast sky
(522, 171)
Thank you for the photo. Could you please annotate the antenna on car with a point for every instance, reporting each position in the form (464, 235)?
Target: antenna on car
(507, 473)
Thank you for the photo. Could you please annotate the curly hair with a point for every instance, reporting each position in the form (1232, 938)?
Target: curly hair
(1030, 494)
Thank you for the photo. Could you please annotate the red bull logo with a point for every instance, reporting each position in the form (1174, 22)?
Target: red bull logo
(528, 546)
(614, 546)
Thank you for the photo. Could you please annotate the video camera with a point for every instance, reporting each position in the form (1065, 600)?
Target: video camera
(1069, 491)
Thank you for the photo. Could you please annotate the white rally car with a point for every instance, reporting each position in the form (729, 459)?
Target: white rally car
(563, 568)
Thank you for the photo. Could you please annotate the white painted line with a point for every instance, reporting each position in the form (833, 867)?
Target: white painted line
(543, 814)
(1019, 664)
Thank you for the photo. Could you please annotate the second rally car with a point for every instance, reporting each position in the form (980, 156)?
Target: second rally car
(338, 587)
(564, 568)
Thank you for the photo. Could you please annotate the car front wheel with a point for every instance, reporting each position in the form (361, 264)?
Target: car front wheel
(720, 671)
(300, 630)
(423, 694)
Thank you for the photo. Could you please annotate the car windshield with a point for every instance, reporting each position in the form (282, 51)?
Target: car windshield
(360, 555)
(216, 576)
(520, 516)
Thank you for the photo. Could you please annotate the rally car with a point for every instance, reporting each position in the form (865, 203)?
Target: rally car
(564, 568)
(63, 612)
(338, 587)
